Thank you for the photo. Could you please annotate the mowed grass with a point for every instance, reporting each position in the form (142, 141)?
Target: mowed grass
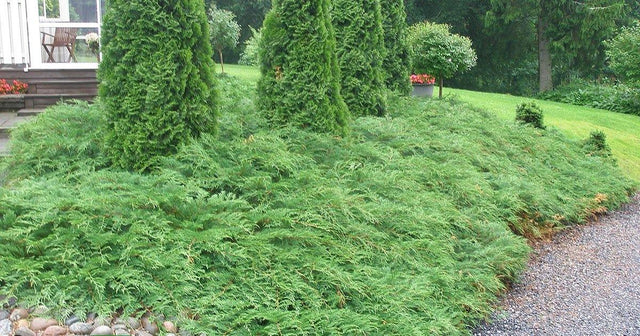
(576, 122)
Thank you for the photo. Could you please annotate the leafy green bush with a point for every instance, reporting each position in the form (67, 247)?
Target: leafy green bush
(624, 53)
(436, 51)
(596, 144)
(251, 53)
(360, 51)
(156, 76)
(401, 228)
(300, 82)
(617, 98)
(397, 61)
(530, 114)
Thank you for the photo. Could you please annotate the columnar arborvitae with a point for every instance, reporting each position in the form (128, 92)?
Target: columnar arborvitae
(397, 60)
(360, 51)
(156, 76)
(300, 83)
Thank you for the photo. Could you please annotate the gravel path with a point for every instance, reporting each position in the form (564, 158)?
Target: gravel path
(585, 282)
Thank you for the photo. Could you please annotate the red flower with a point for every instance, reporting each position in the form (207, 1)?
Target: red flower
(17, 87)
(422, 79)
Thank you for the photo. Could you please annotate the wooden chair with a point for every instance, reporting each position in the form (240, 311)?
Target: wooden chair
(63, 37)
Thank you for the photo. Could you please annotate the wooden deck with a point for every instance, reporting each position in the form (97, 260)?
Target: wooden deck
(47, 87)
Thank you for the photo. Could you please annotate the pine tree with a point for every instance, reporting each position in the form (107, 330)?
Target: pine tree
(157, 83)
(300, 83)
(397, 60)
(360, 51)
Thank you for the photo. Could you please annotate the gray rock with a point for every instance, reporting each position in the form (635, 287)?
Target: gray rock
(71, 320)
(119, 326)
(133, 323)
(185, 333)
(149, 326)
(18, 314)
(101, 321)
(169, 326)
(143, 333)
(121, 332)
(5, 327)
(81, 328)
(40, 311)
(55, 331)
(91, 316)
(24, 331)
(102, 330)
(4, 314)
(10, 302)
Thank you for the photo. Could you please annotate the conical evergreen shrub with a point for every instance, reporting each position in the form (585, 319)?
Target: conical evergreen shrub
(156, 76)
(360, 51)
(300, 82)
(397, 61)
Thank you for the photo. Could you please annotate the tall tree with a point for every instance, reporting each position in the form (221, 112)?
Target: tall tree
(576, 27)
(300, 82)
(397, 61)
(224, 30)
(157, 84)
(360, 50)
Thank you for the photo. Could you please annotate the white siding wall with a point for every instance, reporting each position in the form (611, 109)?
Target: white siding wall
(14, 46)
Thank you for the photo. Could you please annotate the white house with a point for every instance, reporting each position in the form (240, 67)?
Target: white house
(42, 42)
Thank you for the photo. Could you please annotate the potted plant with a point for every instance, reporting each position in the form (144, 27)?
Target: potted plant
(93, 41)
(422, 85)
(11, 95)
(435, 50)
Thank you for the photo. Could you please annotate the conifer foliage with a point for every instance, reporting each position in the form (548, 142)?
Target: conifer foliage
(360, 51)
(156, 76)
(300, 83)
(397, 60)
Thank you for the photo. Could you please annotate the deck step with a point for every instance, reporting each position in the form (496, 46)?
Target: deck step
(25, 112)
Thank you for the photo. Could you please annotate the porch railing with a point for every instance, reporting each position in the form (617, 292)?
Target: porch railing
(14, 39)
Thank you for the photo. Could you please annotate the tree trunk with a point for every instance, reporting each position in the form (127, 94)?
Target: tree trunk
(221, 60)
(441, 85)
(544, 55)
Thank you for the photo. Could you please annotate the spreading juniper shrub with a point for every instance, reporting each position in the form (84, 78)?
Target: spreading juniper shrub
(403, 227)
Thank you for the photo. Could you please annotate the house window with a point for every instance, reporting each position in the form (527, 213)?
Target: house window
(72, 21)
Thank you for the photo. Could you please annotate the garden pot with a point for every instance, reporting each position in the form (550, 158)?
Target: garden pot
(423, 90)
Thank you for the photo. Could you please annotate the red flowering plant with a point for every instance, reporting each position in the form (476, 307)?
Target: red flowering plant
(422, 79)
(18, 87)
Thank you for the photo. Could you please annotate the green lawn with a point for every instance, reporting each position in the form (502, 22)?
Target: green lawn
(622, 130)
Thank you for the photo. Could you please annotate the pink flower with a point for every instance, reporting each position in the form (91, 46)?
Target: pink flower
(422, 79)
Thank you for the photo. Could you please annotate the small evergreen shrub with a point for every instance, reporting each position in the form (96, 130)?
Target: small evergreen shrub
(360, 52)
(530, 114)
(624, 53)
(157, 83)
(397, 61)
(300, 82)
(596, 144)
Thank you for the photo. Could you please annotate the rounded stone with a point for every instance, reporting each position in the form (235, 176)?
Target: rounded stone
(91, 316)
(101, 321)
(40, 311)
(22, 323)
(149, 326)
(4, 314)
(143, 333)
(118, 326)
(123, 332)
(24, 331)
(133, 323)
(169, 326)
(18, 314)
(102, 330)
(81, 328)
(5, 327)
(39, 323)
(55, 331)
(71, 320)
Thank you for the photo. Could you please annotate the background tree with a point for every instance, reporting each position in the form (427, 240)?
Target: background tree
(396, 62)
(300, 82)
(436, 51)
(157, 84)
(624, 53)
(224, 30)
(358, 26)
(251, 53)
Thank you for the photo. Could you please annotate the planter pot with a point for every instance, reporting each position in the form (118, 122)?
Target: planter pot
(423, 90)
(11, 102)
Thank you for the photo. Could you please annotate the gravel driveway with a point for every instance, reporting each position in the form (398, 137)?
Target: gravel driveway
(585, 282)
